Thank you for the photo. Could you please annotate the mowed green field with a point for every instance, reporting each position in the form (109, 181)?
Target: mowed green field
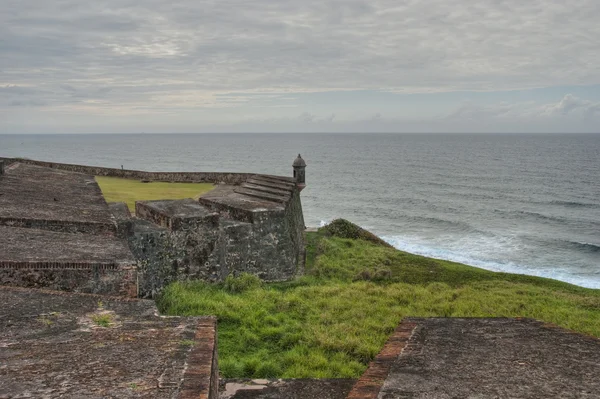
(116, 189)
(333, 321)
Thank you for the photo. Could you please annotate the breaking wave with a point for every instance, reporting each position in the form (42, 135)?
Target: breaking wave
(463, 256)
(581, 246)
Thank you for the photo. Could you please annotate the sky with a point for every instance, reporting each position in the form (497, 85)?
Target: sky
(157, 66)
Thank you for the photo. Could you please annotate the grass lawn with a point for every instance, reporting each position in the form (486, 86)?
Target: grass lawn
(116, 189)
(333, 321)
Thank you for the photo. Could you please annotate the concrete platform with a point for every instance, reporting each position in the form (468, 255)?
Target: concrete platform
(87, 346)
(45, 198)
(482, 358)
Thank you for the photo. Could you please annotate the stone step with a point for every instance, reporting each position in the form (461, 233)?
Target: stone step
(229, 210)
(275, 179)
(266, 183)
(261, 195)
(266, 189)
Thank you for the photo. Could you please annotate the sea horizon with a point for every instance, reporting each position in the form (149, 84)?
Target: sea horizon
(525, 203)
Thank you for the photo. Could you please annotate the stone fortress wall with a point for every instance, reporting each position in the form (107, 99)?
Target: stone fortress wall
(58, 232)
(177, 177)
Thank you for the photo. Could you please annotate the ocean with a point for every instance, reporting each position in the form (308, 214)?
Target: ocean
(519, 203)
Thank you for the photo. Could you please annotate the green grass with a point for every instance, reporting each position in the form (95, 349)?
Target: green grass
(333, 321)
(116, 189)
(103, 320)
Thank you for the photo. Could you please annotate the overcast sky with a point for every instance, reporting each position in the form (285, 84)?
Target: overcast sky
(70, 66)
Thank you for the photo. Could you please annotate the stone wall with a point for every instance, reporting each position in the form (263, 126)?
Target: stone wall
(123, 222)
(211, 248)
(294, 225)
(253, 224)
(87, 277)
(187, 177)
(63, 226)
(156, 257)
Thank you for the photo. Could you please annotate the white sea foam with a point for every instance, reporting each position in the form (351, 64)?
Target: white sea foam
(476, 250)
(465, 257)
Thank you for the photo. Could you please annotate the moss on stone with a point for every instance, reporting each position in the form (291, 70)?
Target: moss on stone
(342, 228)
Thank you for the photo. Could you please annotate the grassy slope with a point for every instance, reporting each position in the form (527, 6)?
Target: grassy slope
(332, 322)
(116, 189)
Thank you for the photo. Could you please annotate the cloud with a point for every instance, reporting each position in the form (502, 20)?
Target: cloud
(573, 105)
(329, 118)
(131, 57)
(26, 103)
(568, 106)
(306, 117)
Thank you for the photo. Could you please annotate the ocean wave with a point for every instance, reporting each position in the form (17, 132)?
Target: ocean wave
(470, 256)
(432, 221)
(464, 257)
(572, 204)
(438, 222)
(536, 216)
(581, 246)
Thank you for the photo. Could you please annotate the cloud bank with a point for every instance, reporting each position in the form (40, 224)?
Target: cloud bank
(208, 62)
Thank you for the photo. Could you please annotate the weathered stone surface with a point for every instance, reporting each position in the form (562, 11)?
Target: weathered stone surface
(42, 198)
(333, 388)
(255, 228)
(156, 257)
(63, 261)
(176, 214)
(120, 212)
(88, 346)
(182, 177)
(276, 241)
(483, 358)
(231, 205)
(227, 231)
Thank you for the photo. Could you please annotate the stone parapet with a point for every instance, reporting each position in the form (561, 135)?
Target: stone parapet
(176, 214)
(180, 177)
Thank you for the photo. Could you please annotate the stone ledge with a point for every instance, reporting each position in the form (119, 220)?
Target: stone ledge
(55, 348)
(483, 357)
(176, 214)
(42, 198)
(62, 265)
(67, 226)
(370, 383)
(179, 177)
